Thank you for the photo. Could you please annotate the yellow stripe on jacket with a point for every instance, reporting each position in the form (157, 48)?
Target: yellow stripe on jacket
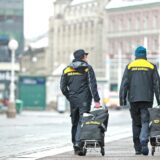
(141, 63)
(68, 70)
(71, 71)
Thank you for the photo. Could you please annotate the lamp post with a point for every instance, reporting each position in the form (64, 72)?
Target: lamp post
(11, 113)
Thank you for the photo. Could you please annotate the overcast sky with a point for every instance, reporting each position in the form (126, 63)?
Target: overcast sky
(36, 14)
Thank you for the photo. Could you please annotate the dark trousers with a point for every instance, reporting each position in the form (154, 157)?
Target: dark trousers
(140, 123)
(76, 116)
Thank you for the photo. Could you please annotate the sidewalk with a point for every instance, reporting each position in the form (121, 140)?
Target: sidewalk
(117, 150)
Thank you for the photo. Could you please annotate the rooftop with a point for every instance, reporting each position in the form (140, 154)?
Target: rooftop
(128, 3)
(76, 2)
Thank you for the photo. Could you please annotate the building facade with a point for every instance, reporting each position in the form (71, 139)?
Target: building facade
(11, 25)
(34, 62)
(129, 25)
(109, 30)
(78, 24)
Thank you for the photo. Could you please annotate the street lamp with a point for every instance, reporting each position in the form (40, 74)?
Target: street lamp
(11, 113)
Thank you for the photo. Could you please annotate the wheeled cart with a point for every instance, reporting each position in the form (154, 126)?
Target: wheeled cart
(92, 144)
(154, 114)
(155, 142)
(94, 125)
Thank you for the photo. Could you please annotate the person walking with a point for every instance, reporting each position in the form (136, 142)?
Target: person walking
(139, 83)
(79, 86)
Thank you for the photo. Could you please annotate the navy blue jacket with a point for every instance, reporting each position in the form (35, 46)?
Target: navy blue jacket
(139, 83)
(78, 83)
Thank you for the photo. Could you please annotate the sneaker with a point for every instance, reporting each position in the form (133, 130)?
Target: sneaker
(145, 150)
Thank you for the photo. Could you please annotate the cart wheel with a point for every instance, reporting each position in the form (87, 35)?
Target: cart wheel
(82, 152)
(102, 151)
(153, 150)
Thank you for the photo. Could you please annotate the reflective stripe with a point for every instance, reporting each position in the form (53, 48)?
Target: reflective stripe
(139, 69)
(70, 69)
(93, 122)
(156, 121)
(140, 63)
(74, 73)
(86, 70)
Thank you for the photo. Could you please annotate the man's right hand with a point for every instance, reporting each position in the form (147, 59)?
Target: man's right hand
(97, 105)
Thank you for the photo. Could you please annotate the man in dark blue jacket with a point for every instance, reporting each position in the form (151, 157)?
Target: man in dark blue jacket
(139, 83)
(78, 84)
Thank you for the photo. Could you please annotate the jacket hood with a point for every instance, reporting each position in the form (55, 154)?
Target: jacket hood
(76, 64)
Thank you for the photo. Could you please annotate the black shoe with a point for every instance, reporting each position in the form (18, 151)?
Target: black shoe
(137, 147)
(76, 152)
(76, 149)
(145, 150)
(138, 153)
(81, 153)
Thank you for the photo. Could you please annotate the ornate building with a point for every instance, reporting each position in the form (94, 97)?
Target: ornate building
(35, 60)
(131, 23)
(78, 24)
(104, 29)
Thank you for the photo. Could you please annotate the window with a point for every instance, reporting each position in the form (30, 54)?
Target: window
(129, 24)
(155, 44)
(137, 24)
(145, 22)
(121, 26)
(112, 25)
(155, 20)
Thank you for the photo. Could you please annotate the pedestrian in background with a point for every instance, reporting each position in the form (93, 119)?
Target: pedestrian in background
(78, 84)
(139, 83)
